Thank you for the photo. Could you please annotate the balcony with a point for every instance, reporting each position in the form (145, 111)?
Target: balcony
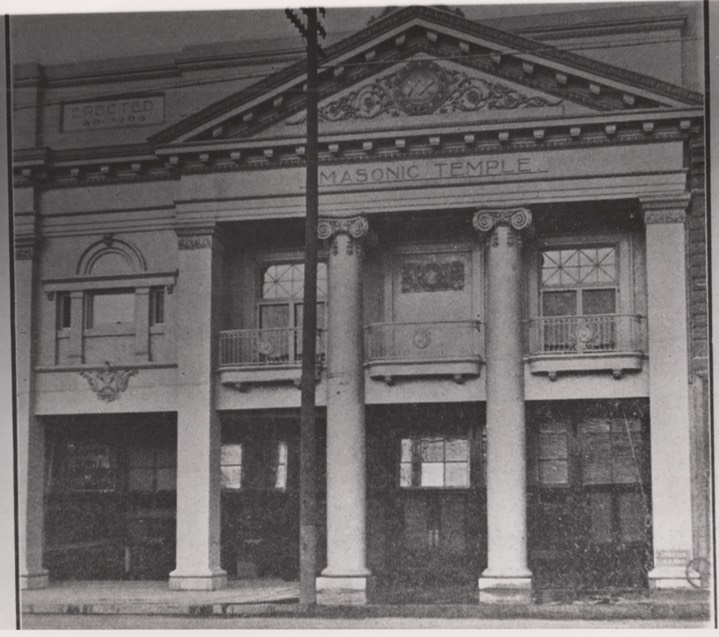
(263, 356)
(446, 348)
(598, 342)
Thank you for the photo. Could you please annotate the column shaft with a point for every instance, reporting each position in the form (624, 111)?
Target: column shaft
(506, 578)
(345, 580)
(198, 427)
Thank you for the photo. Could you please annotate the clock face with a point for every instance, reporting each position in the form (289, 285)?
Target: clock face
(420, 87)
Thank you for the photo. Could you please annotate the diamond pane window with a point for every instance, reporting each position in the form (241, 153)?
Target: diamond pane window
(580, 266)
(286, 281)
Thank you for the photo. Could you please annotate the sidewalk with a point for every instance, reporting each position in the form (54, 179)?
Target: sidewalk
(276, 598)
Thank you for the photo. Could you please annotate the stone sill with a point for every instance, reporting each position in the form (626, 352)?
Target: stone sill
(615, 362)
(242, 377)
(457, 369)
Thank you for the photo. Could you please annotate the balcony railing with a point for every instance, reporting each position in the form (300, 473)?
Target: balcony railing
(590, 334)
(266, 347)
(436, 341)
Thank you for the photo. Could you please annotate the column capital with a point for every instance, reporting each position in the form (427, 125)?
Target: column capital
(195, 237)
(26, 247)
(354, 227)
(671, 209)
(486, 220)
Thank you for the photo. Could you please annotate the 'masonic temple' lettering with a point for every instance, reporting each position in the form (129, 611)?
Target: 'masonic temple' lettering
(496, 166)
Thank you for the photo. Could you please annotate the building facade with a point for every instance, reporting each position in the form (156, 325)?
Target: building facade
(512, 306)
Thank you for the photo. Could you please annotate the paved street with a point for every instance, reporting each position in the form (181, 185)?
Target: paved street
(96, 622)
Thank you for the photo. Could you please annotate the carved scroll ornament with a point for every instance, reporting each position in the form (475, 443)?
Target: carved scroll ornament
(108, 382)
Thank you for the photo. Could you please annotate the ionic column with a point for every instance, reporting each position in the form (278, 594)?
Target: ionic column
(668, 390)
(30, 433)
(198, 427)
(507, 578)
(346, 578)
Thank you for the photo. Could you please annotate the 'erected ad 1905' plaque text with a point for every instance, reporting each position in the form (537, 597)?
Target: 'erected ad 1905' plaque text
(135, 111)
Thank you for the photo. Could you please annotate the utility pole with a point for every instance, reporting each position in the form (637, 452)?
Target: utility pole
(308, 412)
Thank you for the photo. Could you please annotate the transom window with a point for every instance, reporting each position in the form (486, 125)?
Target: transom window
(579, 281)
(434, 462)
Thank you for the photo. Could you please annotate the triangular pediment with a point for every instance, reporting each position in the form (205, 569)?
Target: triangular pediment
(424, 67)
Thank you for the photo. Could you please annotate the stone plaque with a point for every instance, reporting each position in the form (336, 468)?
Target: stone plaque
(117, 113)
(677, 557)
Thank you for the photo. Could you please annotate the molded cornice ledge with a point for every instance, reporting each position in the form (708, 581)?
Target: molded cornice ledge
(668, 209)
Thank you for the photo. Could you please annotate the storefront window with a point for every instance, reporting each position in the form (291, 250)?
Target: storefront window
(434, 462)
(89, 468)
(151, 470)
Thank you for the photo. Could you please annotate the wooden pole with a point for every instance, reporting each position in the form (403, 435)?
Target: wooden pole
(308, 412)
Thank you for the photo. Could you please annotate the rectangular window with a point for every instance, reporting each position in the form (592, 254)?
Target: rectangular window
(281, 466)
(157, 306)
(64, 310)
(553, 461)
(231, 466)
(434, 462)
(613, 451)
(151, 470)
(110, 307)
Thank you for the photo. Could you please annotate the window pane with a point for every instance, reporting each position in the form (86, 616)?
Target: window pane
(231, 477)
(599, 301)
(559, 303)
(432, 450)
(552, 446)
(631, 517)
(231, 455)
(110, 308)
(456, 449)
(281, 477)
(456, 474)
(166, 479)
(596, 458)
(157, 306)
(166, 457)
(275, 316)
(405, 474)
(406, 450)
(64, 310)
(601, 512)
(553, 472)
(432, 474)
(140, 480)
(141, 457)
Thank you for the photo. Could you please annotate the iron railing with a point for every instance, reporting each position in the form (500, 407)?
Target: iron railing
(585, 334)
(276, 346)
(430, 341)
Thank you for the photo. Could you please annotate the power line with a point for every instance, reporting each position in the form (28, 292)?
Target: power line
(322, 67)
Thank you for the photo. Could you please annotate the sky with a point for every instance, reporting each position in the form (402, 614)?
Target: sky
(52, 38)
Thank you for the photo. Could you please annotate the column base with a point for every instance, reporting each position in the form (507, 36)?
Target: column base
(210, 581)
(30, 581)
(505, 590)
(347, 590)
(668, 577)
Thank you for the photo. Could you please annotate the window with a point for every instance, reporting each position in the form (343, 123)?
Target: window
(613, 451)
(434, 462)
(110, 307)
(151, 469)
(553, 458)
(281, 466)
(231, 466)
(63, 310)
(579, 282)
(280, 310)
(157, 306)
(89, 467)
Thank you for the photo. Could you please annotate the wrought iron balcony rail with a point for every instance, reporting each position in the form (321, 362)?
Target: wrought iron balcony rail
(266, 347)
(596, 333)
(426, 341)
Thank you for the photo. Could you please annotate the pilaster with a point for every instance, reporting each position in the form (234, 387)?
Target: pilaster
(507, 579)
(198, 427)
(346, 580)
(669, 406)
(30, 432)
